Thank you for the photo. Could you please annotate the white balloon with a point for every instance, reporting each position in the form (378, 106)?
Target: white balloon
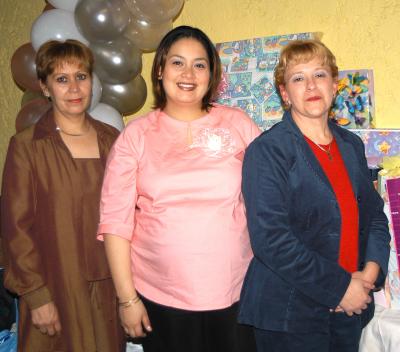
(97, 88)
(107, 114)
(68, 5)
(55, 25)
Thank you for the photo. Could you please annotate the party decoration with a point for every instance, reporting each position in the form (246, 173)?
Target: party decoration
(127, 98)
(379, 143)
(248, 70)
(23, 67)
(96, 91)
(107, 114)
(118, 61)
(31, 113)
(48, 7)
(31, 95)
(68, 5)
(146, 35)
(117, 32)
(156, 11)
(354, 104)
(389, 189)
(55, 24)
(101, 20)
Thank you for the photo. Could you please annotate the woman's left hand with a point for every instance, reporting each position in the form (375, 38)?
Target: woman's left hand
(135, 319)
(46, 319)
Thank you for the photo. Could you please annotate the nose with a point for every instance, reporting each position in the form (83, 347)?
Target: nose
(188, 71)
(310, 83)
(73, 85)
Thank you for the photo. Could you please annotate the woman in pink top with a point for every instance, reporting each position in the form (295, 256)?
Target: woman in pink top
(172, 214)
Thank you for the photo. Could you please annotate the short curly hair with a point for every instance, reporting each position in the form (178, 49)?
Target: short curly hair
(301, 51)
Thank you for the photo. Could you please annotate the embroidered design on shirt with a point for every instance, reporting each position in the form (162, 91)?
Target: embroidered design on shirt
(214, 142)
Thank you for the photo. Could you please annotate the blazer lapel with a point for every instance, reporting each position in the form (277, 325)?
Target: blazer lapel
(305, 149)
(349, 158)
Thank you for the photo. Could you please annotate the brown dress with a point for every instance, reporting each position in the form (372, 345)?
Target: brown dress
(50, 206)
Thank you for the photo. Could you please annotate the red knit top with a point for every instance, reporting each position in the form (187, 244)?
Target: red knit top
(336, 172)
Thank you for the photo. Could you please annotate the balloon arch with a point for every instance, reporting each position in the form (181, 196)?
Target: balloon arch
(117, 31)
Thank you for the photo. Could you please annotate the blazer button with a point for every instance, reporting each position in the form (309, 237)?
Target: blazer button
(358, 199)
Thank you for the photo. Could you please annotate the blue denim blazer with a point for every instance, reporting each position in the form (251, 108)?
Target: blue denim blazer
(294, 223)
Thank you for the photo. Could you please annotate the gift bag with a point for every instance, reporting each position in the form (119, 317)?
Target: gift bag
(8, 337)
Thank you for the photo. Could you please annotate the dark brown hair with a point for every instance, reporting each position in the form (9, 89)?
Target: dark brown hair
(54, 53)
(181, 32)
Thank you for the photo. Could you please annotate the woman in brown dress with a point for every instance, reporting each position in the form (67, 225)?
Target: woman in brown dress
(50, 197)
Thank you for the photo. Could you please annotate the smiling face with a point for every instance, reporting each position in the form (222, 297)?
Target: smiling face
(186, 75)
(309, 88)
(69, 87)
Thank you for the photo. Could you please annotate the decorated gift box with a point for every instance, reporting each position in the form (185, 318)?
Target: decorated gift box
(354, 104)
(389, 188)
(379, 143)
(247, 79)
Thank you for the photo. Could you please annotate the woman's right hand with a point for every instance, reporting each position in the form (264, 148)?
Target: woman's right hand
(356, 297)
(46, 319)
(135, 319)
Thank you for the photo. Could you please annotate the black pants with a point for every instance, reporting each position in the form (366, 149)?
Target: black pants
(176, 330)
(343, 336)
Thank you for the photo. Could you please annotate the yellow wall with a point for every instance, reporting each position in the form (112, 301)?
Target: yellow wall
(361, 33)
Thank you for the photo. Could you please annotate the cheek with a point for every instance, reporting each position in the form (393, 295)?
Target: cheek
(283, 92)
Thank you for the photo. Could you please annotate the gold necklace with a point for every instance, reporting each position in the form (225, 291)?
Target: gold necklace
(327, 151)
(74, 134)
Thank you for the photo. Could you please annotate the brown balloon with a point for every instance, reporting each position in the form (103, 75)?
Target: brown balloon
(48, 7)
(23, 67)
(128, 97)
(31, 113)
(30, 95)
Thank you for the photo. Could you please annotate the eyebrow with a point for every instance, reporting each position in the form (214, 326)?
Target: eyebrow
(318, 68)
(181, 57)
(65, 73)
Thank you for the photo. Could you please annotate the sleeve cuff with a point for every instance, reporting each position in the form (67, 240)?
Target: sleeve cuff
(121, 230)
(37, 298)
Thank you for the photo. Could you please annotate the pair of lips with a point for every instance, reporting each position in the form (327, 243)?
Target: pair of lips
(315, 98)
(186, 86)
(75, 101)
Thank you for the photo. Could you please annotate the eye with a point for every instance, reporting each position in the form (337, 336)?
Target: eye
(177, 63)
(61, 79)
(296, 79)
(321, 74)
(81, 76)
(201, 65)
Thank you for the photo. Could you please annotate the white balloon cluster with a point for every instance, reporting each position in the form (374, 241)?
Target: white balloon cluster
(118, 32)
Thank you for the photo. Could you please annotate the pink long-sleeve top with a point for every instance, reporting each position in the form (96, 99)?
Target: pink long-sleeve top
(173, 189)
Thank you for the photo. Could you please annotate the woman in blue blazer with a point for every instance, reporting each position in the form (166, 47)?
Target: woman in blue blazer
(317, 227)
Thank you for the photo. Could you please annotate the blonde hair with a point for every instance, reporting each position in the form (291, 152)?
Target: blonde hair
(301, 51)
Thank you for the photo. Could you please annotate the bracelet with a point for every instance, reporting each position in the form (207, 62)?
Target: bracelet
(129, 303)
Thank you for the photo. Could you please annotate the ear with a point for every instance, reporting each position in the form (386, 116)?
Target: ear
(283, 93)
(159, 76)
(44, 88)
(335, 86)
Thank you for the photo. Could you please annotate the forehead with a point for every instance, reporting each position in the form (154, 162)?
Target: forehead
(306, 64)
(68, 65)
(187, 46)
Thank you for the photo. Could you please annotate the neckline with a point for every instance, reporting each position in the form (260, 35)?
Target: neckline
(175, 121)
(326, 148)
(59, 129)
